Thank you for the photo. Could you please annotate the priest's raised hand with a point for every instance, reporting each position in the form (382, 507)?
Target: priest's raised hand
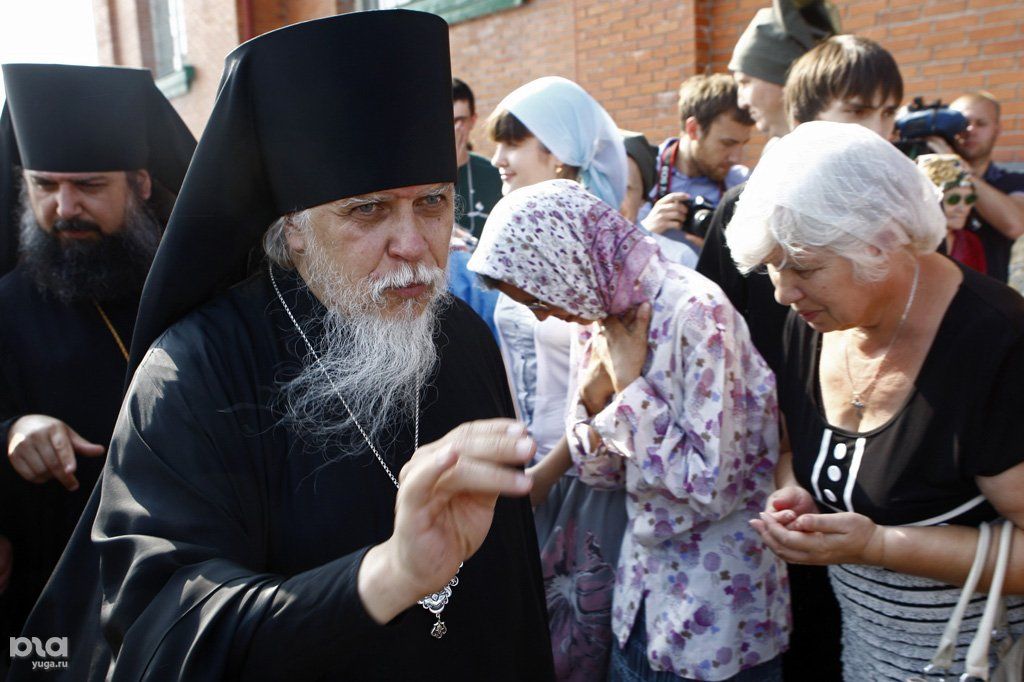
(443, 512)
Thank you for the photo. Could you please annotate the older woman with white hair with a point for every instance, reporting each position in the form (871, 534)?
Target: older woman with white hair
(900, 391)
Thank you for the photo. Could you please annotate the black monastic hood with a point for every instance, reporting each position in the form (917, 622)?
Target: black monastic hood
(85, 119)
(305, 115)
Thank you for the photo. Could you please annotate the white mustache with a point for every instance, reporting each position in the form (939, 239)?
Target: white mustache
(405, 276)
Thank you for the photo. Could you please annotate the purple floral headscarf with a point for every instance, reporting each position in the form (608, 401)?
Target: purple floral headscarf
(561, 244)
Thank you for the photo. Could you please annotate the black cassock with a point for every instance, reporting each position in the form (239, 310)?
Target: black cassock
(230, 550)
(62, 361)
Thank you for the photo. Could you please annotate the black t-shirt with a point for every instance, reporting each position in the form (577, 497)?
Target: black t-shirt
(479, 189)
(997, 246)
(962, 419)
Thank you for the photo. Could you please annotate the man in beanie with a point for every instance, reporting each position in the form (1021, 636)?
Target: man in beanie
(314, 475)
(775, 38)
(90, 159)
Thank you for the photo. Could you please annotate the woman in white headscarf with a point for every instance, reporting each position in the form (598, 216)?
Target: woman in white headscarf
(900, 389)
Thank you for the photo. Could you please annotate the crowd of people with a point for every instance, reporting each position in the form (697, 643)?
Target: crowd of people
(589, 409)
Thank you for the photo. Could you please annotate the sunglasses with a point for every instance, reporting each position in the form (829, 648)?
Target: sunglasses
(537, 306)
(954, 199)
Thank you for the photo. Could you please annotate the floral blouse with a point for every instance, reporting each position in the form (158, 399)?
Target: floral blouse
(694, 440)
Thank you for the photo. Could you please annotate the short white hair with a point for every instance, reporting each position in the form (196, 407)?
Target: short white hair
(275, 241)
(837, 186)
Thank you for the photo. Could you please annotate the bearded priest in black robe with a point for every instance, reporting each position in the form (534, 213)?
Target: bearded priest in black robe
(90, 159)
(313, 475)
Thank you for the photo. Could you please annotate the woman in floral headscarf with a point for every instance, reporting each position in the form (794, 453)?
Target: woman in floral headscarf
(949, 173)
(552, 128)
(670, 401)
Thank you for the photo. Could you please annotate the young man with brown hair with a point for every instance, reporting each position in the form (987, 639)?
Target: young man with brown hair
(845, 79)
(704, 160)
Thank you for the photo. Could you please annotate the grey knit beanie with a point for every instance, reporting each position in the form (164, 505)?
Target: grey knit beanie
(780, 34)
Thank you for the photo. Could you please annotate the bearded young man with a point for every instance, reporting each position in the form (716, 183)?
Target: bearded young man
(292, 490)
(88, 156)
(704, 161)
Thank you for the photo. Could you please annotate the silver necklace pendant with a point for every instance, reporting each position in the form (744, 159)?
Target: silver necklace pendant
(857, 397)
(440, 629)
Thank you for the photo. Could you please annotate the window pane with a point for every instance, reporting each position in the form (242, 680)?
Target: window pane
(167, 19)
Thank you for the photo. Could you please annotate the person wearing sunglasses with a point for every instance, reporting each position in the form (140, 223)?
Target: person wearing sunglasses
(949, 173)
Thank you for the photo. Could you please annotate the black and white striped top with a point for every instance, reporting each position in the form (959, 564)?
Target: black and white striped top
(964, 418)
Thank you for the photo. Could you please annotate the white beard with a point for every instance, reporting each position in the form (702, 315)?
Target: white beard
(378, 364)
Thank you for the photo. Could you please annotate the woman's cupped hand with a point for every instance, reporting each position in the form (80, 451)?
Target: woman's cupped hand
(794, 530)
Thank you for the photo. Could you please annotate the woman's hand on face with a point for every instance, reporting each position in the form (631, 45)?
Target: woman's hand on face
(596, 388)
(824, 539)
(626, 340)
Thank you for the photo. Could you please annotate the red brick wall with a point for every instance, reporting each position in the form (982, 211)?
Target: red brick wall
(947, 47)
(501, 51)
(271, 14)
(630, 54)
(212, 32)
(665, 39)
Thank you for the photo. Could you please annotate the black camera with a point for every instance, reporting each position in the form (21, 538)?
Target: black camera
(698, 216)
(922, 121)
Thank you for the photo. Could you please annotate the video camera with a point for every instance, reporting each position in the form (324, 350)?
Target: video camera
(922, 121)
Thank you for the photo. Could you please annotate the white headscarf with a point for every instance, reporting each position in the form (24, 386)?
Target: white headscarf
(577, 130)
(826, 181)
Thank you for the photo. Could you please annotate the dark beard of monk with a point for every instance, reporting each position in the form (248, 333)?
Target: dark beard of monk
(110, 269)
